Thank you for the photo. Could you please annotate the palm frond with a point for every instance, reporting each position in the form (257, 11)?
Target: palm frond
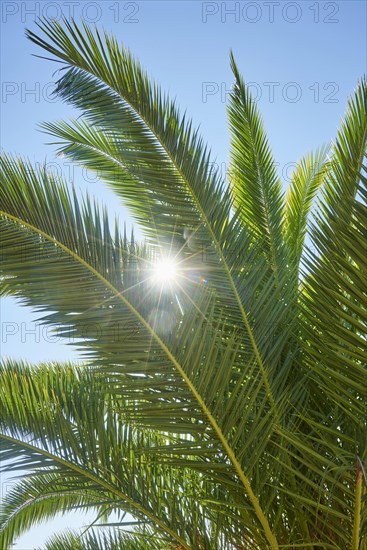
(256, 188)
(59, 424)
(335, 285)
(42, 497)
(94, 540)
(306, 182)
(334, 325)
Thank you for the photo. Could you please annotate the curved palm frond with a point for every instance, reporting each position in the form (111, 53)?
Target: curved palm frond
(158, 146)
(335, 281)
(94, 540)
(62, 427)
(306, 182)
(334, 325)
(255, 186)
(42, 497)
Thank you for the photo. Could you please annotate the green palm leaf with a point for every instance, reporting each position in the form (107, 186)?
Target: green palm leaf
(255, 186)
(306, 182)
(334, 304)
(117, 540)
(61, 425)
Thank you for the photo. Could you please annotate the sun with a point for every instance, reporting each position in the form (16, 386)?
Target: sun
(165, 271)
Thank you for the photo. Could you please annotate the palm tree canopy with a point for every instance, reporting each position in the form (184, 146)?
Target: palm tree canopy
(222, 408)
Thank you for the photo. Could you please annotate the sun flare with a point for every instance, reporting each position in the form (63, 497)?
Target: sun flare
(165, 271)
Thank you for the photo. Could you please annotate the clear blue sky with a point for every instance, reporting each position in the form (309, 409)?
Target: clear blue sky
(302, 58)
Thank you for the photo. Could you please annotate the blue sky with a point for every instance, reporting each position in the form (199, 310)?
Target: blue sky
(302, 59)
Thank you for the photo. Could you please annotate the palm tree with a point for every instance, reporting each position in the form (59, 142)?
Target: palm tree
(222, 405)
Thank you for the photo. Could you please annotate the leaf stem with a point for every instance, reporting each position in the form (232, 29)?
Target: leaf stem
(357, 507)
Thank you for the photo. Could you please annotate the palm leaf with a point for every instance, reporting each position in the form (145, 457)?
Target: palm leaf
(256, 188)
(94, 540)
(59, 424)
(334, 305)
(306, 182)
